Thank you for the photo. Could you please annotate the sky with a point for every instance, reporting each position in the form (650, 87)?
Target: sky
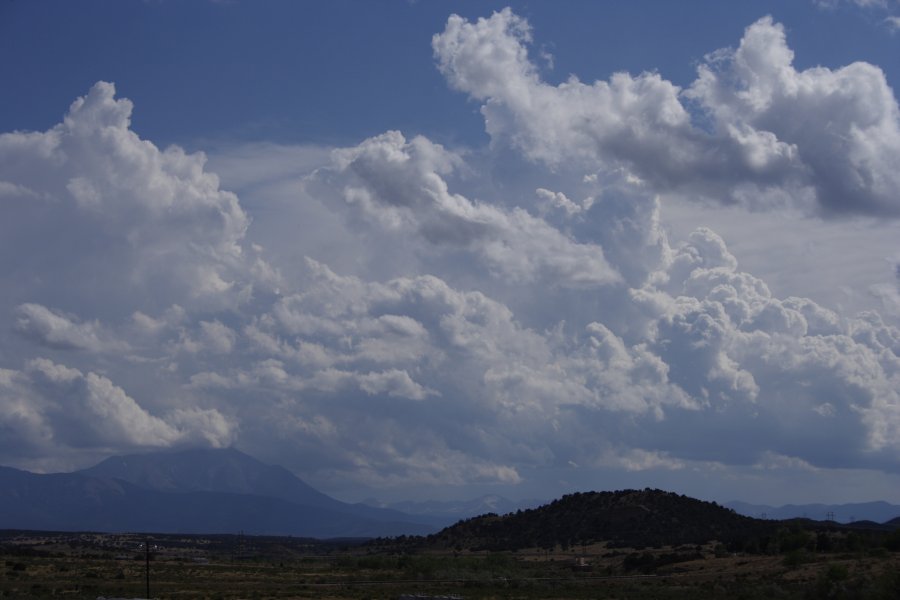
(430, 250)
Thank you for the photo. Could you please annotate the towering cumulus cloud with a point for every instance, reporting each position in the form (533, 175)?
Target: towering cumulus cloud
(515, 325)
(398, 185)
(827, 140)
(127, 221)
(98, 226)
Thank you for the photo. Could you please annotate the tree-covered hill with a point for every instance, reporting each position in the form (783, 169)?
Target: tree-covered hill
(635, 518)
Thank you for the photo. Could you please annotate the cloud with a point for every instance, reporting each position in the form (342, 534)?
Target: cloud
(101, 230)
(639, 460)
(558, 200)
(892, 22)
(426, 316)
(216, 337)
(852, 161)
(49, 408)
(63, 331)
(130, 224)
(785, 375)
(398, 185)
(766, 143)
(830, 4)
(627, 119)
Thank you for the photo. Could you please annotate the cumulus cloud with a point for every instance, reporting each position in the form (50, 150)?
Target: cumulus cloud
(852, 161)
(62, 331)
(830, 4)
(49, 408)
(398, 184)
(892, 22)
(130, 223)
(766, 144)
(558, 200)
(101, 230)
(534, 325)
(635, 120)
(784, 374)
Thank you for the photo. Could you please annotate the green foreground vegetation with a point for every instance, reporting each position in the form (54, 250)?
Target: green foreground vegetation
(796, 564)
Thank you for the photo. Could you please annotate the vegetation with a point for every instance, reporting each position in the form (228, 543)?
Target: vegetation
(91, 565)
(635, 518)
(634, 544)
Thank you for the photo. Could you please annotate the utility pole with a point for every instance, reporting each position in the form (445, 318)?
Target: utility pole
(147, 562)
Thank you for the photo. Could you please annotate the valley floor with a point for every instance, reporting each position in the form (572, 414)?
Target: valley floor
(38, 565)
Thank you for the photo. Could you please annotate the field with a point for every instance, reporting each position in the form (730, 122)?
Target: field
(85, 565)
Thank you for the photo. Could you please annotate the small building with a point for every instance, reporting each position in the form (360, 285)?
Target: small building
(581, 564)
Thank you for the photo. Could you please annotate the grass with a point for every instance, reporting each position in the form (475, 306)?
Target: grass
(229, 567)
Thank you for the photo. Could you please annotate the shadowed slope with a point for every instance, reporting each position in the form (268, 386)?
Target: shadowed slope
(626, 518)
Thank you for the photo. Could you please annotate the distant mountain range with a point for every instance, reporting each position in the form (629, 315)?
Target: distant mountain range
(191, 491)
(451, 511)
(878, 512)
(227, 491)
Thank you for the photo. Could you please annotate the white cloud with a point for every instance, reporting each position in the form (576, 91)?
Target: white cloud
(129, 223)
(628, 119)
(851, 163)
(830, 4)
(636, 459)
(63, 331)
(398, 184)
(767, 140)
(408, 314)
(217, 337)
(559, 201)
(892, 22)
(49, 408)
(784, 375)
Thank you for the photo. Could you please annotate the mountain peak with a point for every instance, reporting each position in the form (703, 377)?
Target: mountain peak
(209, 470)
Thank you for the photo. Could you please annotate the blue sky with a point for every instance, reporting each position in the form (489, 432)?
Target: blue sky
(438, 249)
(338, 71)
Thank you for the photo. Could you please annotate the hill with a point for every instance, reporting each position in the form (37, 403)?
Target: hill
(634, 518)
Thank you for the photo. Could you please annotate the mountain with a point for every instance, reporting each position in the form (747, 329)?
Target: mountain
(225, 491)
(451, 511)
(231, 471)
(70, 501)
(197, 491)
(625, 518)
(878, 512)
(210, 470)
